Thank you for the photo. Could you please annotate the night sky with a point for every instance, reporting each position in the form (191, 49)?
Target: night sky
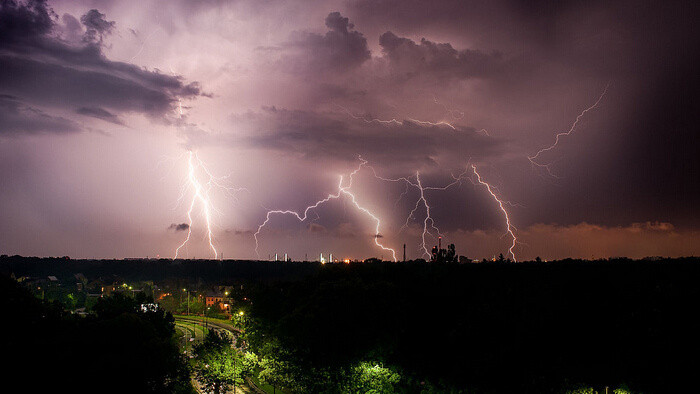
(101, 101)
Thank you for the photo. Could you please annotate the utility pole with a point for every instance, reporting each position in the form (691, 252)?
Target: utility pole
(404, 253)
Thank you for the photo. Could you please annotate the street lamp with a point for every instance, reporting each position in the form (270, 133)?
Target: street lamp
(188, 301)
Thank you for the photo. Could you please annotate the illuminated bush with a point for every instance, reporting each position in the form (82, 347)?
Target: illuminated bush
(370, 377)
(582, 390)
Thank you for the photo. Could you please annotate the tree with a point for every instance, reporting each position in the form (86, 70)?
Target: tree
(581, 390)
(372, 378)
(217, 365)
(277, 373)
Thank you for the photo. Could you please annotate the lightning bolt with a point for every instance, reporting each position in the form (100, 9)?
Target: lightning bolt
(342, 191)
(509, 226)
(396, 121)
(430, 229)
(201, 195)
(534, 159)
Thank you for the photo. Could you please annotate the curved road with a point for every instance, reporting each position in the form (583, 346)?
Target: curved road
(230, 330)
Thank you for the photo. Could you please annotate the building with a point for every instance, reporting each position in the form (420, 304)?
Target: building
(212, 300)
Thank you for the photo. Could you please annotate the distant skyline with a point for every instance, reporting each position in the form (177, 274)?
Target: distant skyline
(101, 101)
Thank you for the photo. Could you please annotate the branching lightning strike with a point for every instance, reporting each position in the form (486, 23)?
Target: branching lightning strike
(201, 194)
(343, 190)
(429, 226)
(534, 159)
(509, 226)
(430, 229)
(396, 121)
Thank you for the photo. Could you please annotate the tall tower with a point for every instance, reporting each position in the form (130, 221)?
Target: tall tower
(439, 244)
(404, 253)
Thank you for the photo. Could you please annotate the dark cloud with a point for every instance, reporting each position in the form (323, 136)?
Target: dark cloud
(339, 50)
(97, 26)
(405, 144)
(18, 118)
(47, 71)
(99, 113)
(179, 227)
(439, 60)
(24, 21)
(71, 30)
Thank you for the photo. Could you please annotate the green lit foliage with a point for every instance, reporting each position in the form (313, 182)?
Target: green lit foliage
(622, 390)
(581, 390)
(217, 366)
(249, 361)
(367, 377)
(277, 373)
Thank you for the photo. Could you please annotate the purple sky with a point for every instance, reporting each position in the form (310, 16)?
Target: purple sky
(100, 101)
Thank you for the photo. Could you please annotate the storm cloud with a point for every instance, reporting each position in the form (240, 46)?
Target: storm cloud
(18, 118)
(340, 49)
(439, 60)
(396, 145)
(44, 69)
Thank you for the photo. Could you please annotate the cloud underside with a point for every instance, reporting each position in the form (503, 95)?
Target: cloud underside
(48, 65)
(17, 118)
(338, 136)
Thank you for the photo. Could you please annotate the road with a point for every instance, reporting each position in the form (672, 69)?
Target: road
(187, 325)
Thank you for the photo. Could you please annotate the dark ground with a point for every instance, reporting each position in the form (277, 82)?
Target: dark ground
(487, 327)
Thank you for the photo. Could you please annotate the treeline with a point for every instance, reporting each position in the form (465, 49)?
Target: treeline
(116, 350)
(485, 328)
(210, 271)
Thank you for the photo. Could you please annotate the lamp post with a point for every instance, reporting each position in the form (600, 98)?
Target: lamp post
(188, 301)
(206, 316)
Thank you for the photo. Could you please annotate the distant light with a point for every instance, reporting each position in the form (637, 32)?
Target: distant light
(240, 313)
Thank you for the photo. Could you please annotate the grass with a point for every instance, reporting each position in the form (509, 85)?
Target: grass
(196, 330)
(201, 318)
